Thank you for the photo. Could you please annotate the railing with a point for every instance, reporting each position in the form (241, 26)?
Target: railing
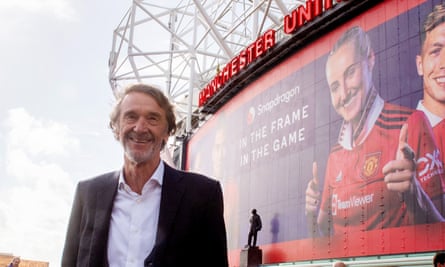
(418, 260)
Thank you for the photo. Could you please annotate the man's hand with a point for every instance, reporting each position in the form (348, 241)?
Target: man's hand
(313, 192)
(400, 176)
(401, 172)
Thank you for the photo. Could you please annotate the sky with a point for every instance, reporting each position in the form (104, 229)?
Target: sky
(54, 106)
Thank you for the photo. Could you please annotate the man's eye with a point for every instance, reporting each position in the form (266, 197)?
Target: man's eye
(130, 117)
(153, 120)
(435, 52)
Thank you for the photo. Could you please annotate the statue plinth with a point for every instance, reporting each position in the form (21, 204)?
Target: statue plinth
(251, 257)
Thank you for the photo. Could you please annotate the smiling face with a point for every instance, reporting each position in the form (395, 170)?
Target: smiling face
(431, 65)
(349, 79)
(142, 128)
(16, 262)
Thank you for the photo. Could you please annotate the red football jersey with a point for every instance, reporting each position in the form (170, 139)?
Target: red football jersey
(355, 195)
(438, 125)
(439, 135)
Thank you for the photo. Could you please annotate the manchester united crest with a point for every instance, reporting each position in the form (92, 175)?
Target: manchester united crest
(370, 165)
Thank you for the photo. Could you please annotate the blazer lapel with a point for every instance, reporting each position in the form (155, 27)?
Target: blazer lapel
(104, 204)
(172, 193)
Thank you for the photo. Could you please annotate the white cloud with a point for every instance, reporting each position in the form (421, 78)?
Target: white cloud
(38, 137)
(58, 8)
(36, 206)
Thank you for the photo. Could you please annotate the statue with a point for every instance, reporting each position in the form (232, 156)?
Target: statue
(255, 226)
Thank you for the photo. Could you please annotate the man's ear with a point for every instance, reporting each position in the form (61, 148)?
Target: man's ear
(116, 134)
(164, 142)
(419, 65)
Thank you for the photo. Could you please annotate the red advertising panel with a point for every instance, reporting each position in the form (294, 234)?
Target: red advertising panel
(330, 146)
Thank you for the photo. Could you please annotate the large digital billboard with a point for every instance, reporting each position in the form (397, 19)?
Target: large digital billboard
(331, 145)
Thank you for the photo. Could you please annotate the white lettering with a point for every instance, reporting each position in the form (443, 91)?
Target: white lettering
(283, 98)
(432, 164)
(354, 201)
(289, 119)
(292, 138)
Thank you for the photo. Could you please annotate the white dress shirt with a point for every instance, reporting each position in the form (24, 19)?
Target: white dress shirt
(134, 221)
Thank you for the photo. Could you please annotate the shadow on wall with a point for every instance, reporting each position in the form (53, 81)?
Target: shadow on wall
(275, 228)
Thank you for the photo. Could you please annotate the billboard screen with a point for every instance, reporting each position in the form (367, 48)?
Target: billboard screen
(329, 147)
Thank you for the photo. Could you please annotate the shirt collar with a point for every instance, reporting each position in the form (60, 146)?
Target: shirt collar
(433, 118)
(158, 177)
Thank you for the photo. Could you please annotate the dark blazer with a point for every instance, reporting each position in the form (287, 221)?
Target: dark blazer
(191, 229)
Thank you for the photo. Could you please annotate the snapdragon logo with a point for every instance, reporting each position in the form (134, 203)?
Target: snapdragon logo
(352, 202)
(277, 100)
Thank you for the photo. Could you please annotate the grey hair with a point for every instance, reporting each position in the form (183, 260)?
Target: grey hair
(149, 90)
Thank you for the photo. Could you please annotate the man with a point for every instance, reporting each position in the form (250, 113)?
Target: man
(439, 259)
(338, 264)
(147, 214)
(431, 66)
(15, 262)
(372, 179)
(255, 226)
